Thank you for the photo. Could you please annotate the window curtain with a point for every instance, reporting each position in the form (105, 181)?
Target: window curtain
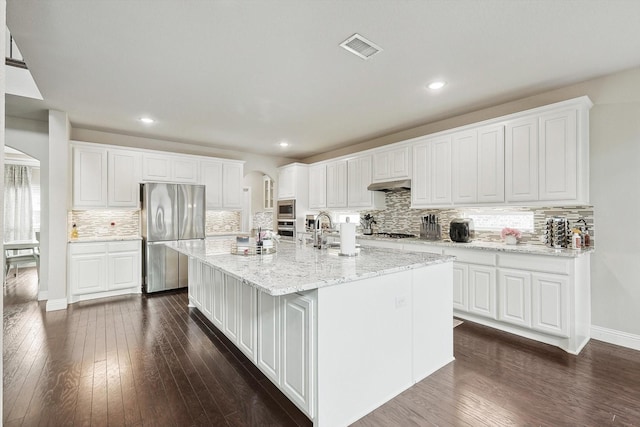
(18, 204)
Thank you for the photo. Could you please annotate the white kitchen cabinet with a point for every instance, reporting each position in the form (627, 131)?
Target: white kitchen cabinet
(211, 178)
(101, 269)
(169, 168)
(206, 278)
(391, 164)
(223, 183)
(460, 286)
(431, 180)
(464, 152)
(217, 298)
(298, 312)
(247, 320)
(267, 193)
(232, 181)
(87, 268)
(318, 186)
(231, 306)
(550, 302)
(558, 156)
(123, 188)
(521, 160)
(89, 177)
(491, 164)
(482, 291)
(194, 281)
(269, 330)
(337, 184)
(293, 183)
(359, 171)
(515, 297)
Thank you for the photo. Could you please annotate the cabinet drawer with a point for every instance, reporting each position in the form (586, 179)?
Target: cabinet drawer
(472, 256)
(545, 264)
(87, 248)
(125, 246)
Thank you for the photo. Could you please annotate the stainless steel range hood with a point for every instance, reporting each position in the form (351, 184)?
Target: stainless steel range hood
(387, 186)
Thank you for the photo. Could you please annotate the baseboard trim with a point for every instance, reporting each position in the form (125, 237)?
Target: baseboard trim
(613, 336)
(43, 295)
(57, 304)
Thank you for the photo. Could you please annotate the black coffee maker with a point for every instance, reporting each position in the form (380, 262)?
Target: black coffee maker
(461, 230)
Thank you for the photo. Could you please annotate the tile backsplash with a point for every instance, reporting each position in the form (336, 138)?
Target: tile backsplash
(263, 220)
(400, 218)
(97, 223)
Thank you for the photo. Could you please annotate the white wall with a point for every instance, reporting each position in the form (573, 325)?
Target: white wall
(3, 23)
(614, 179)
(32, 138)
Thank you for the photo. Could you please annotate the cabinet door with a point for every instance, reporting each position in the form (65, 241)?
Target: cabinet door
(124, 270)
(521, 160)
(551, 303)
(318, 186)
(267, 193)
(358, 179)
(268, 357)
(491, 164)
(232, 185)
(184, 170)
(89, 177)
(231, 288)
(441, 170)
(218, 299)
(124, 178)
(211, 178)
(206, 285)
(482, 291)
(558, 166)
(381, 166)
(460, 287)
(156, 167)
(247, 321)
(391, 164)
(193, 266)
(515, 297)
(297, 350)
(87, 268)
(465, 167)
(287, 183)
(337, 184)
(421, 175)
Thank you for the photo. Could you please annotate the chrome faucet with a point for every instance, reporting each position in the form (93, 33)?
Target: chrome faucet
(317, 232)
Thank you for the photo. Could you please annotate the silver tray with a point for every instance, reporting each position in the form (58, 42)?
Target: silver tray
(251, 250)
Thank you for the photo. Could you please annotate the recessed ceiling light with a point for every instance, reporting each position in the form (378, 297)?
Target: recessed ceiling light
(438, 84)
(146, 120)
(284, 144)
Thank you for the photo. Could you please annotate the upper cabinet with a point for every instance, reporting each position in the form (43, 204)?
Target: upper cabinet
(104, 177)
(267, 193)
(391, 164)
(359, 171)
(431, 180)
(223, 182)
(521, 160)
(477, 165)
(293, 182)
(318, 186)
(169, 168)
(337, 184)
(558, 156)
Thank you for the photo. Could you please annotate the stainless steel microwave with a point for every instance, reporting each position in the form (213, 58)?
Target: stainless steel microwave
(286, 209)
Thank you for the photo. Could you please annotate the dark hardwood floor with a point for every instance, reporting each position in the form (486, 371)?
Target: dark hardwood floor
(139, 360)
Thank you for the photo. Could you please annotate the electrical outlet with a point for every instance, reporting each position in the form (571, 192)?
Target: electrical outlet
(401, 301)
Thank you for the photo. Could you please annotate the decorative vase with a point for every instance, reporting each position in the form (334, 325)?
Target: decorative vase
(511, 240)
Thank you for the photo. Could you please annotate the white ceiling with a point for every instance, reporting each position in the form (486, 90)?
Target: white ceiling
(247, 74)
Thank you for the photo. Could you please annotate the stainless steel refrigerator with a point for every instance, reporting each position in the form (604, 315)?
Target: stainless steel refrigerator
(170, 212)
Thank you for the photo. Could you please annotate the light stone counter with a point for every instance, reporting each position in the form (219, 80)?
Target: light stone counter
(485, 246)
(115, 238)
(296, 269)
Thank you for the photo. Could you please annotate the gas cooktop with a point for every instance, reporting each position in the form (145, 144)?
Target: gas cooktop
(394, 235)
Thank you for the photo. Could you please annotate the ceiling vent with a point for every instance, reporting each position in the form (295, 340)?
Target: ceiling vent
(360, 46)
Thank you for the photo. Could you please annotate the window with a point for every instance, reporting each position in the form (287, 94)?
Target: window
(35, 196)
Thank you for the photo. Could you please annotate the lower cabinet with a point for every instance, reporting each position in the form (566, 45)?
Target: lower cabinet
(275, 332)
(550, 303)
(515, 297)
(460, 286)
(482, 291)
(101, 269)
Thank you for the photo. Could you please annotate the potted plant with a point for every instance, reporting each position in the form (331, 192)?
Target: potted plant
(510, 235)
(366, 223)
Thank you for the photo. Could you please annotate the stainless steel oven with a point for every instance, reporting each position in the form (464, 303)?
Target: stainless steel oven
(286, 209)
(287, 229)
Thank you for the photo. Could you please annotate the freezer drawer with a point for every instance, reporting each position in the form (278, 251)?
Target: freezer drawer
(162, 268)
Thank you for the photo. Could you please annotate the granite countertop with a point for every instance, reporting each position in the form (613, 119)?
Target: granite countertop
(295, 268)
(88, 239)
(489, 246)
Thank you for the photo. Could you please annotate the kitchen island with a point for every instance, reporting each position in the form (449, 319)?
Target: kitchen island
(339, 336)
